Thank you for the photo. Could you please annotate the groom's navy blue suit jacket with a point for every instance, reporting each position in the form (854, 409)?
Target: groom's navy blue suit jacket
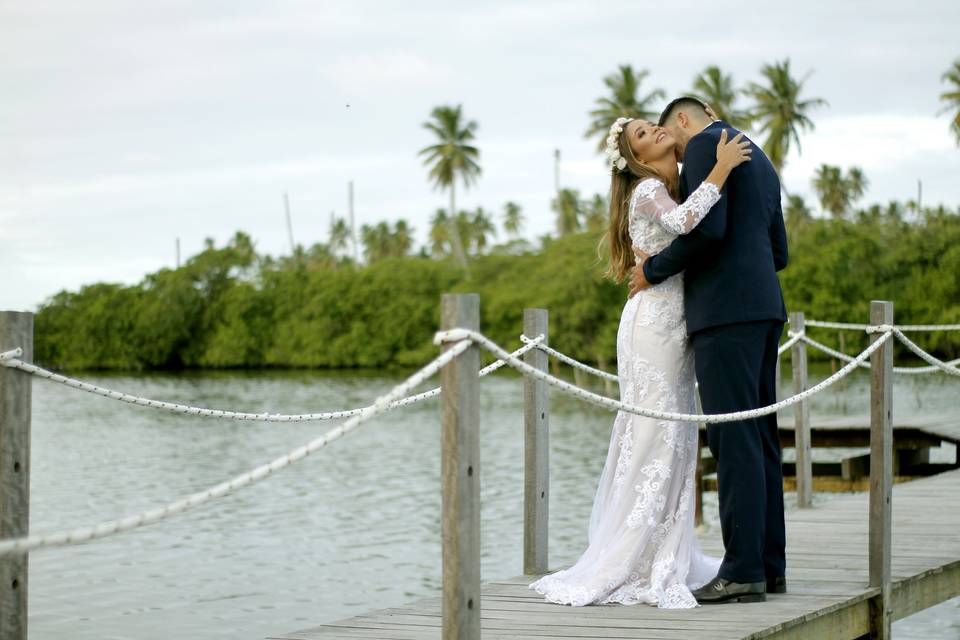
(731, 258)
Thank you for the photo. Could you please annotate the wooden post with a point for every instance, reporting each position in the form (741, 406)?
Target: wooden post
(698, 475)
(460, 470)
(801, 424)
(881, 473)
(776, 384)
(16, 330)
(536, 449)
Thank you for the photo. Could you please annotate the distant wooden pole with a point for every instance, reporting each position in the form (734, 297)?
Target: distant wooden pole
(556, 172)
(801, 424)
(536, 449)
(286, 209)
(353, 226)
(178, 252)
(460, 471)
(16, 330)
(881, 473)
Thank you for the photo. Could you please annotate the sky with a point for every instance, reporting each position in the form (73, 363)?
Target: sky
(126, 125)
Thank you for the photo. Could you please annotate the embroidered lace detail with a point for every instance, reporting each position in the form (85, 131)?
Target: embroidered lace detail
(652, 199)
(642, 546)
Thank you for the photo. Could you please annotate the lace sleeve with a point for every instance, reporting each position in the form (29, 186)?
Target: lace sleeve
(653, 199)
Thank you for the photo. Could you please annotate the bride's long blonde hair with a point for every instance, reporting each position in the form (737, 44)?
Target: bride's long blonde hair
(622, 184)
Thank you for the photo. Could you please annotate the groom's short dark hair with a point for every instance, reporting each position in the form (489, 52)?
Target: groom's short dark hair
(681, 102)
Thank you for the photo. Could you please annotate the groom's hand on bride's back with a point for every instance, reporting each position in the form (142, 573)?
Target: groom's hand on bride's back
(638, 282)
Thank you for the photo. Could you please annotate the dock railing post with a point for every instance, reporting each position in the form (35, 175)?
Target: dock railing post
(16, 330)
(460, 475)
(881, 473)
(536, 449)
(698, 474)
(801, 424)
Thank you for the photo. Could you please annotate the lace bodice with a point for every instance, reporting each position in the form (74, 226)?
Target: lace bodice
(655, 219)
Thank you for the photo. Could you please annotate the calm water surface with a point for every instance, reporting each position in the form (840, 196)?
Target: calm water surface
(351, 528)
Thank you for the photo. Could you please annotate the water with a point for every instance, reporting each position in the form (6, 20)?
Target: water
(351, 528)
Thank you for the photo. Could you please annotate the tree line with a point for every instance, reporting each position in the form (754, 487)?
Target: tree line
(230, 307)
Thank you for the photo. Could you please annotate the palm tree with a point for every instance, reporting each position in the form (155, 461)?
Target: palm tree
(622, 102)
(780, 111)
(451, 157)
(439, 233)
(856, 183)
(596, 212)
(481, 227)
(828, 184)
(797, 214)
(464, 227)
(319, 257)
(402, 238)
(512, 218)
(567, 207)
(375, 241)
(339, 234)
(952, 97)
(837, 192)
(716, 89)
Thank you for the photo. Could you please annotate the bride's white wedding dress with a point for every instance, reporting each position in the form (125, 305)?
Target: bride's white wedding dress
(642, 545)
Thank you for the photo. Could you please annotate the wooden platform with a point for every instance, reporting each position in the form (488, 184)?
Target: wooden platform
(928, 429)
(827, 577)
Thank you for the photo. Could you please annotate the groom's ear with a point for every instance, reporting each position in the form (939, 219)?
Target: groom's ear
(682, 120)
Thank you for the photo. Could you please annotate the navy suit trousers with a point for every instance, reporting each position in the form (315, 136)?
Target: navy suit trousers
(736, 369)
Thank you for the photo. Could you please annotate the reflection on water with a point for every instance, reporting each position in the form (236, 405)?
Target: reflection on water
(353, 527)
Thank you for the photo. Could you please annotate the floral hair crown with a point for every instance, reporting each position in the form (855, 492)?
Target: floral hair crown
(617, 161)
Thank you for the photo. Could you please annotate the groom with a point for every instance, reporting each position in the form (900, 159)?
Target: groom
(735, 315)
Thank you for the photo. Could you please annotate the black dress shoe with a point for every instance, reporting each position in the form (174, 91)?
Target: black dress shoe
(777, 585)
(719, 591)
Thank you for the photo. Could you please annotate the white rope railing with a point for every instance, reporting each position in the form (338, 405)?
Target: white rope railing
(576, 364)
(463, 338)
(609, 403)
(600, 373)
(11, 359)
(786, 346)
(382, 404)
(946, 367)
(863, 327)
(866, 365)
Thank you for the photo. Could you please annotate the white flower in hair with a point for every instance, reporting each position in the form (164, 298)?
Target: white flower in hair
(617, 161)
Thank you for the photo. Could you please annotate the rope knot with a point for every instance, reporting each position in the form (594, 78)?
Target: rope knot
(879, 328)
(10, 355)
(451, 335)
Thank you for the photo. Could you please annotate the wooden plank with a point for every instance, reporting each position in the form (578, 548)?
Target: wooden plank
(536, 449)
(16, 330)
(926, 589)
(460, 473)
(804, 465)
(881, 473)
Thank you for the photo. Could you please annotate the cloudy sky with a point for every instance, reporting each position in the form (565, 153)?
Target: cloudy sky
(128, 124)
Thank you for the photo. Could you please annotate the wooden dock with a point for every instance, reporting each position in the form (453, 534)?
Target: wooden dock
(827, 572)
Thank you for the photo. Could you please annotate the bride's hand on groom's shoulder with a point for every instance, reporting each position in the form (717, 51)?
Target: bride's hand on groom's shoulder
(638, 281)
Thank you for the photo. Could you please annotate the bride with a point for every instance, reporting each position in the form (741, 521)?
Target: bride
(642, 546)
